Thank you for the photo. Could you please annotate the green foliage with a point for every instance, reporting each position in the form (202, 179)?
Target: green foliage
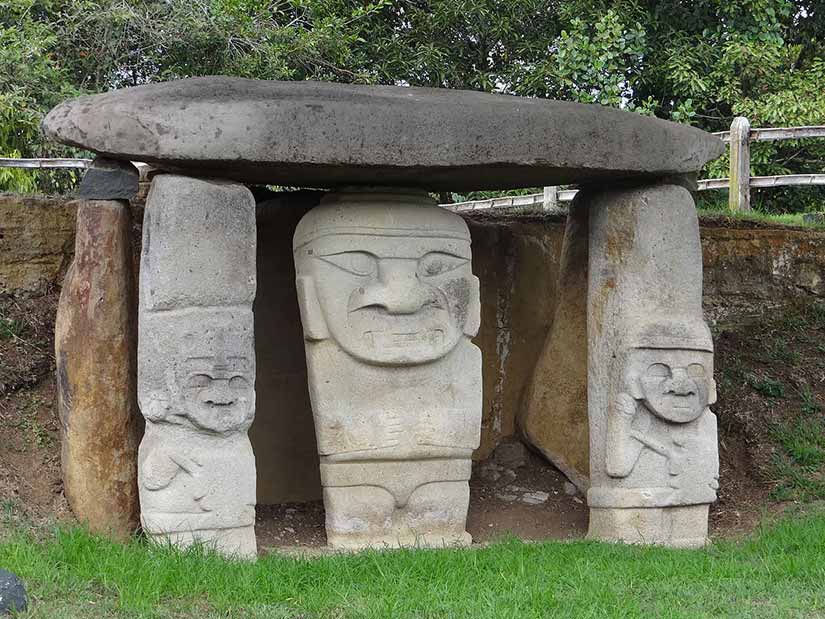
(767, 386)
(776, 573)
(700, 62)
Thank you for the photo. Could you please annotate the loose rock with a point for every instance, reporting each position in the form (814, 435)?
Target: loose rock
(535, 498)
(12, 593)
(511, 454)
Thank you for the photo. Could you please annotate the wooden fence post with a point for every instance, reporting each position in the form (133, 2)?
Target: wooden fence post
(739, 196)
(551, 198)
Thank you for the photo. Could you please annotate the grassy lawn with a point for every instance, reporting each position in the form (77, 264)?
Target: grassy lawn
(786, 219)
(780, 572)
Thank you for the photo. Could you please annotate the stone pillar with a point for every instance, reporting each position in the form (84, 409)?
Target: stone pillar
(388, 306)
(654, 463)
(554, 413)
(95, 349)
(196, 364)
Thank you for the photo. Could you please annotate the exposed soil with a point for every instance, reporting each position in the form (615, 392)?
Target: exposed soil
(778, 351)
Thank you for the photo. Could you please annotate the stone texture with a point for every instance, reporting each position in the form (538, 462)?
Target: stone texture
(388, 306)
(95, 349)
(13, 597)
(109, 179)
(196, 364)
(554, 409)
(318, 134)
(517, 261)
(653, 442)
(36, 242)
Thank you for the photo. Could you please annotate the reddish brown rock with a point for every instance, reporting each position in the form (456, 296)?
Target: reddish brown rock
(95, 347)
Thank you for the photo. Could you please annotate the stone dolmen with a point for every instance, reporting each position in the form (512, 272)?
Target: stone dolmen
(389, 303)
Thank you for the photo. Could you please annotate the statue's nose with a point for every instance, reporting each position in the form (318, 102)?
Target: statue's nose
(680, 383)
(398, 289)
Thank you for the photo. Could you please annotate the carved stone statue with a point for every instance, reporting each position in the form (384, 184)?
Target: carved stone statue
(196, 365)
(388, 305)
(661, 436)
(654, 462)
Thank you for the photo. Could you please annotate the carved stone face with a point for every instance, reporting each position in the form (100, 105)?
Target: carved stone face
(217, 393)
(394, 300)
(386, 276)
(675, 385)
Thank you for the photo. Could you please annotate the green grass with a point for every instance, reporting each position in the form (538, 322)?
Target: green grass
(767, 386)
(777, 573)
(787, 219)
(11, 328)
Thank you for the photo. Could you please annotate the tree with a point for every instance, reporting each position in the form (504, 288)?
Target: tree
(696, 61)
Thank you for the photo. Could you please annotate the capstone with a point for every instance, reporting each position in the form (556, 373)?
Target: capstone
(320, 134)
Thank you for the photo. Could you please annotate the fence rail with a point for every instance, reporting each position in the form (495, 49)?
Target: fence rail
(6, 162)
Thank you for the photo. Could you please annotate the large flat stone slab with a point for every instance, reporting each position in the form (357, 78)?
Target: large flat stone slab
(325, 135)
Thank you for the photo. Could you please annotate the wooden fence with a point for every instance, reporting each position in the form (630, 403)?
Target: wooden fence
(739, 182)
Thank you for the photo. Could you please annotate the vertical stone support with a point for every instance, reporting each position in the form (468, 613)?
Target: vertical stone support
(196, 364)
(95, 349)
(554, 415)
(389, 305)
(653, 449)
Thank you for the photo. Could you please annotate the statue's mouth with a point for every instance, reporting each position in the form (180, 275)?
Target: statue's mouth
(384, 340)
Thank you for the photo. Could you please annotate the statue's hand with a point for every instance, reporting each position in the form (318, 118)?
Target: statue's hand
(625, 406)
(157, 407)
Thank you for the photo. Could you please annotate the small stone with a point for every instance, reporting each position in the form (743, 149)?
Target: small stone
(570, 489)
(511, 455)
(12, 593)
(514, 488)
(289, 529)
(509, 498)
(535, 498)
(489, 471)
(109, 179)
(509, 474)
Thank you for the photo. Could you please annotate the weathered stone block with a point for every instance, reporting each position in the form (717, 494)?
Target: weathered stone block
(554, 411)
(95, 348)
(319, 134)
(388, 306)
(196, 364)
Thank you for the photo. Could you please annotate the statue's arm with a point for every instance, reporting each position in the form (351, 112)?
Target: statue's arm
(623, 449)
(346, 432)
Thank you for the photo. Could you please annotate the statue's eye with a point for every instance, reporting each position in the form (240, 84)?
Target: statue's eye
(356, 262)
(658, 370)
(437, 263)
(696, 370)
(238, 382)
(199, 381)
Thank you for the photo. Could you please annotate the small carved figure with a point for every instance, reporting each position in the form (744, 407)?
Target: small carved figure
(196, 466)
(663, 423)
(661, 456)
(389, 304)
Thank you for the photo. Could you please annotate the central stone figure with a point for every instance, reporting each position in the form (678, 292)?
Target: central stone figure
(388, 305)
